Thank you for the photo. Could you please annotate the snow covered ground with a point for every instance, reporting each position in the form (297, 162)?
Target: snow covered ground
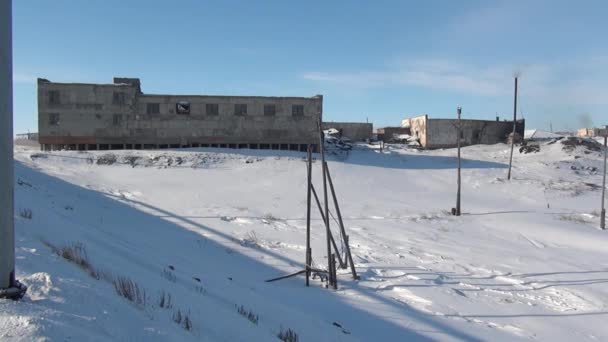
(526, 260)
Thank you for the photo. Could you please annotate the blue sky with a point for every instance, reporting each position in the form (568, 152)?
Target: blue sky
(376, 60)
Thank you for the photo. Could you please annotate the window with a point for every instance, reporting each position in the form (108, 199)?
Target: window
(119, 98)
(54, 119)
(54, 97)
(297, 110)
(240, 109)
(152, 108)
(182, 107)
(117, 119)
(270, 110)
(212, 109)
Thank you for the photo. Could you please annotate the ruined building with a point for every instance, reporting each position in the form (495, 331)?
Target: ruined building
(82, 116)
(442, 133)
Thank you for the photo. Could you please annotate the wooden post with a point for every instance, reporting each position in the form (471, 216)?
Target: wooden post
(603, 212)
(514, 128)
(327, 231)
(342, 230)
(334, 272)
(459, 133)
(308, 191)
(331, 237)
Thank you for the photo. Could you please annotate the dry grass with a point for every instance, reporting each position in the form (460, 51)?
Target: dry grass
(168, 274)
(252, 317)
(76, 254)
(130, 290)
(164, 300)
(287, 335)
(25, 213)
(183, 320)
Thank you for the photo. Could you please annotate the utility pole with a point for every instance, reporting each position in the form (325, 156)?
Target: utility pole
(9, 287)
(514, 128)
(603, 213)
(308, 191)
(459, 134)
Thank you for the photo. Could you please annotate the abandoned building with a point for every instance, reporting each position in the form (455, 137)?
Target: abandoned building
(390, 134)
(81, 116)
(355, 131)
(442, 133)
(591, 132)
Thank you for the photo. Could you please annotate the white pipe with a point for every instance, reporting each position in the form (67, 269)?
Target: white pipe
(7, 229)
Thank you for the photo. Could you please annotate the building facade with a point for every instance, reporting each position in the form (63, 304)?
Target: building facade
(591, 132)
(443, 133)
(355, 131)
(81, 116)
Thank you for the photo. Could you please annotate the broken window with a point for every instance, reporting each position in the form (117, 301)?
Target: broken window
(152, 108)
(270, 110)
(54, 97)
(297, 110)
(54, 119)
(117, 119)
(212, 109)
(119, 98)
(240, 109)
(182, 107)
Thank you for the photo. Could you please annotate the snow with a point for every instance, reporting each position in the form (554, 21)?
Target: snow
(526, 260)
(540, 134)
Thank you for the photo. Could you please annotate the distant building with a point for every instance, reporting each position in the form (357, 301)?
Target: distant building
(355, 131)
(27, 136)
(591, 132)
(442, 133)
(83, 116)
(388, 134)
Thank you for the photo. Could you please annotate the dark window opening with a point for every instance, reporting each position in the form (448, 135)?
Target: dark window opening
(152, 108)
(297, 110)
(54, 119)
(240, 109)
(270, 110)
(119, 98)
(54, 97)
(212, 109)
(117, 119)
(182, 107)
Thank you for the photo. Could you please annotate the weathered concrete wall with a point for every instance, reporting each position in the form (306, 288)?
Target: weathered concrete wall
(95, 114)
(356, 131)
(418, 128)
(387, 134)
(591, 132)
(442, 133)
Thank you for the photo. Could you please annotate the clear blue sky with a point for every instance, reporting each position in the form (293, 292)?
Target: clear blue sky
(382, 60)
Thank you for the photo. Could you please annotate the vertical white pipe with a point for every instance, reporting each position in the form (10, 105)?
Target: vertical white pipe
(7, 232)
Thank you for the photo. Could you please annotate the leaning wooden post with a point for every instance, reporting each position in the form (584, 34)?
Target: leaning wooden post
(514, 129)
(331, 237)
(322, 150)
(342, 230)
(308, 190)
(459, 133)
(603, 213)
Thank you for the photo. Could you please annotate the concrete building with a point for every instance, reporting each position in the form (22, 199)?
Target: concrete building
(591, 132)
(81, 116)
(355, 131)
(388, 134)
(442, 133)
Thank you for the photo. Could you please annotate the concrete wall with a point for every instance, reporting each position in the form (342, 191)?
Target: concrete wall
(356, 131)
(591, 132)
(418, 128)
(387, 134)
(89, 114)
(442, 133)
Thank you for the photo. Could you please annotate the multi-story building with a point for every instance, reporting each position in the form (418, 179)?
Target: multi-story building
(83, 116)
